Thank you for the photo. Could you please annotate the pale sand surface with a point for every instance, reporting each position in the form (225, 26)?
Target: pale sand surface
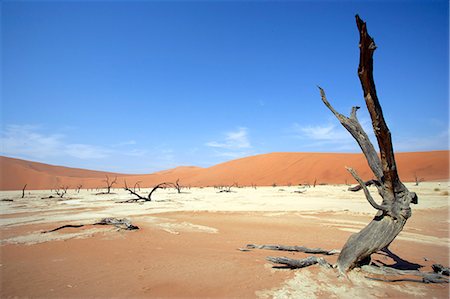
(188, 243)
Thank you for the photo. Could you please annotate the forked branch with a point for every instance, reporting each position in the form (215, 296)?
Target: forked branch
(366, 191)
(140, 197)
(352, 125)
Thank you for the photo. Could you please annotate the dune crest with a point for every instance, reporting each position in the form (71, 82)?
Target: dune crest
(263, 170)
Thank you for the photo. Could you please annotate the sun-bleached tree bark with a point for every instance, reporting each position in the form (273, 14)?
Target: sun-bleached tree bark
(394, 210)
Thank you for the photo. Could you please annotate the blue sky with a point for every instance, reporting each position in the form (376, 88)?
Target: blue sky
(141, 86)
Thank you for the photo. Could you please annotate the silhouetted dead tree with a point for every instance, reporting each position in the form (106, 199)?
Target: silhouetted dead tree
(109, 184)
(227, 188)
(61, 191)
(417, 180)
(23, 190)
(394, 210)
(137, 185)
(141, 198)
(177, 185)
(79, 187)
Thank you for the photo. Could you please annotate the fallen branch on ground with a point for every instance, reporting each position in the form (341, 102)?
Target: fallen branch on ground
(119, 223)
(438, 276)
(293, 248)
(302, 263)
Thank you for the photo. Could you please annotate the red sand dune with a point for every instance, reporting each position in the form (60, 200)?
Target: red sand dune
(266, 169)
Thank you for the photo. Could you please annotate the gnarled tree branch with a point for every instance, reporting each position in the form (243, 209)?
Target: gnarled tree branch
(356, 130)
(366, 191)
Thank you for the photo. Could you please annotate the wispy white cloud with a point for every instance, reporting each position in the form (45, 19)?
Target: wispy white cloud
(329, 137)
(233, 140)
(86, 151)
(330, 133)
(235, 144)
(437, 141)
(27, 141)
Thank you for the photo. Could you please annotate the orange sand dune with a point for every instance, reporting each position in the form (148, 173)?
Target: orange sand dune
(266, 169)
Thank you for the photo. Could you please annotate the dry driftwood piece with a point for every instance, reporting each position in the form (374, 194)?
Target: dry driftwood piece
(293, 248)
(64, 226)
(119, 223)
(296, 264)
(423, 277)
(438, 268)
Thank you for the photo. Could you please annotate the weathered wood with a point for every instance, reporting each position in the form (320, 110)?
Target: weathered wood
(64, 226)
(296, 264)
(425, 277)
(368, 183)
(366, 191)
(120, 223)
(438, 268)
(293, 248)
(395, 209)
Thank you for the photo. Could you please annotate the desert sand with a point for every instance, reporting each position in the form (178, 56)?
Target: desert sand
(188, 243)
(261, 170)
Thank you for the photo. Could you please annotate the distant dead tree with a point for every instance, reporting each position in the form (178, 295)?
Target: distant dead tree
(417, 180)
(61, 191)
(141, 198)
(315, 182)
(227, 188)
(79, 187)
(23, 190)
(177, 186)
(394, 210)
(109, 184)
(137, 185)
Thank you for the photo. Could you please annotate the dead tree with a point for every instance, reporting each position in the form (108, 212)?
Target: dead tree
(23, 190)
(417, 180)
(177, 185)
(141, 198)
(227, 188)
(79, 187)
(61, 191)
(137, 185)
(394, 210)
(109, 184)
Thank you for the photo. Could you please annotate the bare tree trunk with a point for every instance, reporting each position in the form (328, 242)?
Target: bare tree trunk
(23, 190)
(394, 210)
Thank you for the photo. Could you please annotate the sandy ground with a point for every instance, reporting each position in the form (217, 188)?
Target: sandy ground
(187, 244)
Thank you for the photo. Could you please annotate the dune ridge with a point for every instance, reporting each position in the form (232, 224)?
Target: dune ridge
(280, 168)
